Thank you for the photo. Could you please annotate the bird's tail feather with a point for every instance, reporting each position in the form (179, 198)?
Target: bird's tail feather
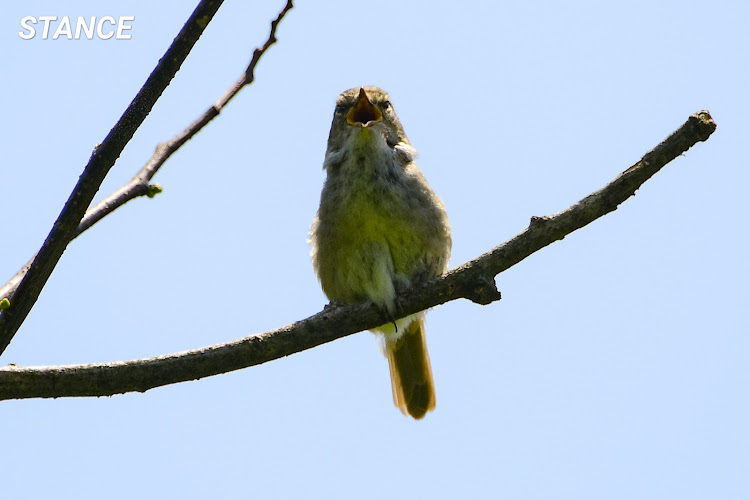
(411, 374)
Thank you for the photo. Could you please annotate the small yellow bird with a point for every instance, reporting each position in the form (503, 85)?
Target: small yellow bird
(379, 230)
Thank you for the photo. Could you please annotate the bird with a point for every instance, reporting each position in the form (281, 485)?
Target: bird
(379, 230)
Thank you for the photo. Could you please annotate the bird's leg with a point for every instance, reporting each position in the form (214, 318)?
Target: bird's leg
(334, 304)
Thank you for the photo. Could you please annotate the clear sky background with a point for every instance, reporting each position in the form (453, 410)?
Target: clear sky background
(616, 366)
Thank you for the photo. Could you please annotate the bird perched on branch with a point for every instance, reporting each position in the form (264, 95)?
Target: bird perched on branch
(379, 230)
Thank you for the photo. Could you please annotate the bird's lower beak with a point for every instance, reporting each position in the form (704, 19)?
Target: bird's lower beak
(363, 112)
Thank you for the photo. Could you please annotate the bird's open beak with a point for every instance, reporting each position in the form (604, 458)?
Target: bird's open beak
(364, 111)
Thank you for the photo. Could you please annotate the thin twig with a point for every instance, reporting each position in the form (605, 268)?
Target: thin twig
(139, 184)
(473, 280)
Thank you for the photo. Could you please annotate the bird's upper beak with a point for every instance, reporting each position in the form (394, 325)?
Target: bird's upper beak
(363, 112)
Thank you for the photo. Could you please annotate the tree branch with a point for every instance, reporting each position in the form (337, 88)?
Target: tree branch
(473, 280)
(139, 184)
(102, 159)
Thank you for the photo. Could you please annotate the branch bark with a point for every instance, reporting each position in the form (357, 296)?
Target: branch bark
(473, 280)
(139, 184)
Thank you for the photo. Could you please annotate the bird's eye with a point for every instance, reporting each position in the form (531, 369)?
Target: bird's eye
(386, 104)
(340, 108)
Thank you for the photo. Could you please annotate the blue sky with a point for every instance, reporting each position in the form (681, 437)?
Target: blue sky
(616, 365)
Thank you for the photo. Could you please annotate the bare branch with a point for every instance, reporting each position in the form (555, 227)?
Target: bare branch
(102, 159)
(473, 280)
(139, 184)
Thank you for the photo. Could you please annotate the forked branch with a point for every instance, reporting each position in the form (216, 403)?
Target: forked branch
(139, 185)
